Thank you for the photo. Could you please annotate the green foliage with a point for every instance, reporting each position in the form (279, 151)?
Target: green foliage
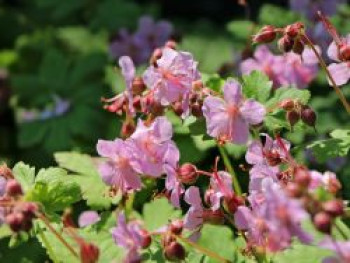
(213, 82)
(277, 16)
(25, 175)
(257, 86)
(85, 174)
(241, 30)
(337, 145)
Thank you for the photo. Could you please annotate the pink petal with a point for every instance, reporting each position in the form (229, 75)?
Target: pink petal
(232, 92)
(88, 218)
(253, 111)
(340, 73)
(192, 197)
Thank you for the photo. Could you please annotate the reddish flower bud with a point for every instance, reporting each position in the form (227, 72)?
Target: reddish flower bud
(171, 44)
(302, 177)
(138, 86)
(266, 34)
(294, 190)
(231, 204)
(308, 116)
(13, 188)
(177, 108)
(67, 218)
(333, 185)
(334, 207)
(127, 129)
(344, 52)
(15, 221)
(292, 117)
(285, 43)
(196, 110)
(187, 173)
(174, 252)
(146, 238)
(298, 46)
(137, 103)
(29, 210)
(176, 226)
(213, 217)
(293, 30)
(287, 104)
(89, 253)
(323, 222)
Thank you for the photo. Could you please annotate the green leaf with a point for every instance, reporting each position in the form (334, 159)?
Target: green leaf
(158, 213)
(55, 195)
(338, 145)
(257, 86)
(213, 82)
(277, 16)
(241, 29)
(93, 189)
(25, 175)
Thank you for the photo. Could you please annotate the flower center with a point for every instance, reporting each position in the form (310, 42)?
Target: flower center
(232, 110)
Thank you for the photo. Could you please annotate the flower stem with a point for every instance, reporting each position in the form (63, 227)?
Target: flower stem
(59, 237)
(339, 225)
(48, 246)
(329, 75)
(204, 250)
(230, 169)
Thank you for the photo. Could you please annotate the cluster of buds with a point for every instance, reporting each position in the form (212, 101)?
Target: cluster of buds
(291, 39)
(17, 213)
(172, 249)
(323, 212)
(296, 111)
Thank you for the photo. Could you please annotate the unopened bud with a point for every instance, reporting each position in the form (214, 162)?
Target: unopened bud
(174, 252)
(293, 30)
(127, 129)
(292, 117)
(214, 217)
(344, 52)
(287, 104)
(294, 190)
(187, 173)
(13, 188)
(15, 221)
(285, 43)
(308, 116)
(196, 110)
(89, 253)
(323, 222)
(177, 108)
(146, 238)
(334, 207)
(333, 185)
(29, 210)
(302, 177)
(138, 86)
(298, 46)
(266, 34)
(176, 226)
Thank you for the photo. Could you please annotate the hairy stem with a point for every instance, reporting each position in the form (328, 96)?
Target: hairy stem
(329, 75)
(59, 237)
(203, 250)
(230, 169)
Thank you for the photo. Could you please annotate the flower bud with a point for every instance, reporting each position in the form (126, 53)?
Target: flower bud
(333, 185)
(285, 43)
(177, 108)
(334, 207)
(171, 44)
(127, 129)
(298, 47)
(174, 252)
(308, 116)
(196, 110)
(292, 117)
(294, 190)
(213, 217)
(89, 253)
(231, 204)
(136, 103)
(293, 30)
(138, 86)
(13, 188)
(167, 239)
(302, 177)
(29, 210)
(146, 238)
(344, 52)
(323, 222)
(187, 173)
(287, 104)
(15, 221)
(176, 226)
(266, 34)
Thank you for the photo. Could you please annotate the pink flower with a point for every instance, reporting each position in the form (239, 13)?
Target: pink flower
(321, 180)
(117, 170)
(274, 222)
(128, 72)
(341, 248)
(173, 185)
(128, 236)
(194, 217)
(152, 147)
(88, 218)
(229, 119)
(172, 79)
(340, 71)
(221, 186)
(287, 69)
